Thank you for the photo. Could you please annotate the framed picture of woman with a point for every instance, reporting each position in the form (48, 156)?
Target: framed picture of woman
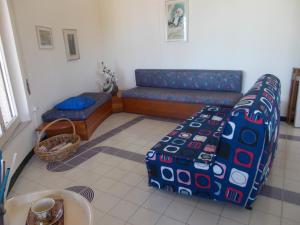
(176, 20)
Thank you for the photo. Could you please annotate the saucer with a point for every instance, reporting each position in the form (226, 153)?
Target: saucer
(58, 211)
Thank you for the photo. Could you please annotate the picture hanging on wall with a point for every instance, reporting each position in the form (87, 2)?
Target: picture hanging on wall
(71, 44)
(176, 20)
(44, 36)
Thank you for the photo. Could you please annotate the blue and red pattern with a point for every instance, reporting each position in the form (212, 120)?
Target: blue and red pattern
(249, 142)
(238, 169)
(181, 160)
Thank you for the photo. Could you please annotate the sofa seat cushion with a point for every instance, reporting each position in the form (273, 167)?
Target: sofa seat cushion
(100, 99)
(182, 160)
(186, 96)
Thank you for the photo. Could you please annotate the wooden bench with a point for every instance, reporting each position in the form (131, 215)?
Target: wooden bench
(84, 128)
(169, 109)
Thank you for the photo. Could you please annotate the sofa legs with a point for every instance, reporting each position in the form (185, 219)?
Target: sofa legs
(248, 207)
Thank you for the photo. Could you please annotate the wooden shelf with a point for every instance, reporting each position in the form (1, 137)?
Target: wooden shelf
(117, 103)
(293, 96)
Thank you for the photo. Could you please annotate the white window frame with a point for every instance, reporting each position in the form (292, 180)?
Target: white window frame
(7, 130)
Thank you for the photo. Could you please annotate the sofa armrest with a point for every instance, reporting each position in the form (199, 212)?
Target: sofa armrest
(238, 157)
(249, 143)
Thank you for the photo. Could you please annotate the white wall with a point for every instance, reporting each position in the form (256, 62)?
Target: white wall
(52, 77)
(255, 36)
(23, 142)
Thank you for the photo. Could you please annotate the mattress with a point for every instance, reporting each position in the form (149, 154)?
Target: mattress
(100, 98)
(221, 98)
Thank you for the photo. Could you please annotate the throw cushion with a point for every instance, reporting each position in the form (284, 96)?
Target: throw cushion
(76, 103)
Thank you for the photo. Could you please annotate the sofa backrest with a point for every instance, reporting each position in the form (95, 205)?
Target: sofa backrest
(249, 142)
(209, 80)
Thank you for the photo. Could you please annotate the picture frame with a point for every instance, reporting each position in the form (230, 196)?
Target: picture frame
(44, 37)
(176, 20)
(71, 44)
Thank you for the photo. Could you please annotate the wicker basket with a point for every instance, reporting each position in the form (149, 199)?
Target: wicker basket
(60, 153)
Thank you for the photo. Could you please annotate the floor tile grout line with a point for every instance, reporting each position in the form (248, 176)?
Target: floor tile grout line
(222, 210)
(295, 221)
(139, 206)
(236, 220)
(283, 186)
(163, 213)
(219, 219)
(195, 207)
(281, 213)
(251, 215)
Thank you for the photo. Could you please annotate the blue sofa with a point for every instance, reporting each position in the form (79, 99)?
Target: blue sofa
(159, 92)
(220, 153)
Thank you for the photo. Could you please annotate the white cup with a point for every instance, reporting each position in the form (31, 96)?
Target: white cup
(42, 208)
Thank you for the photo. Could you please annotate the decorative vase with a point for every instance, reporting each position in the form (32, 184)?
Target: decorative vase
(115, 89)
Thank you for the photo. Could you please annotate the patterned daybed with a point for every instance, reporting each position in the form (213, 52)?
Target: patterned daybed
(219, 153)
(159, 92)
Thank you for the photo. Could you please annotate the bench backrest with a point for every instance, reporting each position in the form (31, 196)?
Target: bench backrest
(208, 80)
(249, 142)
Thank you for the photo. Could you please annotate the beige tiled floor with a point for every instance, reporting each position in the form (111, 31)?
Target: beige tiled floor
(122, 195)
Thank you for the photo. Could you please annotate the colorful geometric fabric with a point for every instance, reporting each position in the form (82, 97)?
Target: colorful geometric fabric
(239, 168)
(249, 142)
(197, 138)
(181, 160)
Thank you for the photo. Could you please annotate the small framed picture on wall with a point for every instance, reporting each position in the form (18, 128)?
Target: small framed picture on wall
(44, 37)
(176, 21)
(71, 44)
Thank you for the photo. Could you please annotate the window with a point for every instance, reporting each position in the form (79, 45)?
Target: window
(8, 110)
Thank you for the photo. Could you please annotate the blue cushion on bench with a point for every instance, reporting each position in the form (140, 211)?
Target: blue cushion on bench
(186, 96)
(206, 80)
(76, 103)
(100, 98)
